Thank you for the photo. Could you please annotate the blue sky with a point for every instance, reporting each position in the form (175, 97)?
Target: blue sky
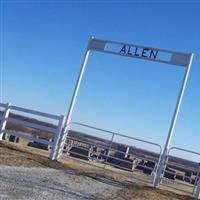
(43, 44)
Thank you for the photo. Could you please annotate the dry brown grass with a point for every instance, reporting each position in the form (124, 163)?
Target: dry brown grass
(139, 192)
(20, 155)
(15, 155)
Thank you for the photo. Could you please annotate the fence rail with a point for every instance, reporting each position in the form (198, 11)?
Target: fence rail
(32, 125)
(34, 112)
(54, 130)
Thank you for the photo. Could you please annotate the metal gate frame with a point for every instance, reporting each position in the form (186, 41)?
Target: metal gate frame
(109, 166)
(194, 191)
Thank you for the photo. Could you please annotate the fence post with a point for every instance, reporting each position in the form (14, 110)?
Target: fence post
(197, 192)
(196, 189)
(110, 146)
(57, 136)
(4, 119)
(160, 169)
(61, 142)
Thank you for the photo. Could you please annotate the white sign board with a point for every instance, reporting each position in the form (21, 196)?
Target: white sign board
(141, 52)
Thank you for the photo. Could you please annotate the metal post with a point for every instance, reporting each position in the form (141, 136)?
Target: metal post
(162, 163)
(54, 147)
(197, 192)
(108, 154)
(196, 182)
(71, 107)
(4, 119)
(61, 143)
(75, 93)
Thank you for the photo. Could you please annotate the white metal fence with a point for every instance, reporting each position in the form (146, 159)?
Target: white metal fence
(101, 149)
(113, 151)
(55, 131)
(140, 167)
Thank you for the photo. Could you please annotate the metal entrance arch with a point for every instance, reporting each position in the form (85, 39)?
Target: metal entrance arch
(139, 52)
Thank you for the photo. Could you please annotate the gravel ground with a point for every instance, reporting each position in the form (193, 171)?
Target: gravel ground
(45, 183)
(41, 178)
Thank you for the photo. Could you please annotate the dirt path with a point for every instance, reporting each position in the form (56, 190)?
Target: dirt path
(42, 178)
(22, 183)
